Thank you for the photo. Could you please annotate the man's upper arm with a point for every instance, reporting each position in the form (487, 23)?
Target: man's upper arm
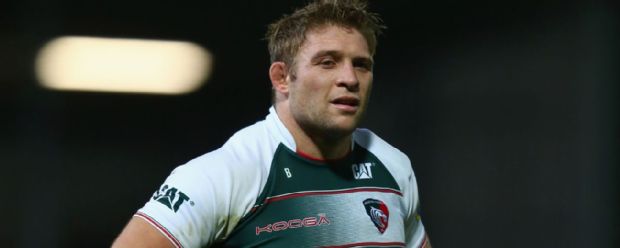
(179, 214)
(198, 204)
(140, 233)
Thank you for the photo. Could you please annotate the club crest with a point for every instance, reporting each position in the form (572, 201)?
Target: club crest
(378, 212)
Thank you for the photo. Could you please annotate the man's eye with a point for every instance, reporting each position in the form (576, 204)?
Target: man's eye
(328, 63)
(363, 65)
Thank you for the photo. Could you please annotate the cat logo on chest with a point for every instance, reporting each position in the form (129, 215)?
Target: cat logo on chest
(362, 170)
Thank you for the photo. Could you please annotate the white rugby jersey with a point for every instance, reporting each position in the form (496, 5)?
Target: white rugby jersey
(257, 191)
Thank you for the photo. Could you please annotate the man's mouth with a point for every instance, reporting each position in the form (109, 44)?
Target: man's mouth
(346, 103)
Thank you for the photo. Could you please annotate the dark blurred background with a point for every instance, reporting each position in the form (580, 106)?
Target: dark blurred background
(508, 109)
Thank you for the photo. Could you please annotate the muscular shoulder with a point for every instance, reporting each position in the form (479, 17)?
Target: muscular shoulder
(220, 187)
(240, 165)
(243, 153)
(252, 144)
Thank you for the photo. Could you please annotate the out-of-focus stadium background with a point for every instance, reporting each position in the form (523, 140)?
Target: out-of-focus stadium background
(508, 109)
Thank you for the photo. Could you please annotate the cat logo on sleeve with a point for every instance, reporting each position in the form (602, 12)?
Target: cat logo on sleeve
(171, 197)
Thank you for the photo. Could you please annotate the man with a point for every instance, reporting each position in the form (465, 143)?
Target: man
(304, 176)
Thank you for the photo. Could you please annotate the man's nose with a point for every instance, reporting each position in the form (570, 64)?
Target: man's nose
(347, 77)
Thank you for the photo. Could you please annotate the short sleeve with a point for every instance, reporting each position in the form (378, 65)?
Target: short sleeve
(415, 234)
(179, 208)
(197, 205)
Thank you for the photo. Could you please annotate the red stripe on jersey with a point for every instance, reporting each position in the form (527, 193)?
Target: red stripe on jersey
(330, 192)
(424, 242)
(322, 160)
(160, 228)
(380, 244)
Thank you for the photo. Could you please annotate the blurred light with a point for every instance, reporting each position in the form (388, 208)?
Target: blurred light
(122, 65)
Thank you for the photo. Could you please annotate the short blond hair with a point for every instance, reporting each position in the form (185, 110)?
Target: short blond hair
(287, 35)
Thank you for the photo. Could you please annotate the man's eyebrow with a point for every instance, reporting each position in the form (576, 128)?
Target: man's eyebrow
(367, 60)
(323, 53)
(337, 54)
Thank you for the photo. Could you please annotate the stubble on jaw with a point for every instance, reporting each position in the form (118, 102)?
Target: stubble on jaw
(322, 127)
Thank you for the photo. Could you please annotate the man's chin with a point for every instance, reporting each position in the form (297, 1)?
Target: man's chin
(341, 130)
(336, 127)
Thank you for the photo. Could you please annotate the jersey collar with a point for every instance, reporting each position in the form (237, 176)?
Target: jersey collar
(281, 131)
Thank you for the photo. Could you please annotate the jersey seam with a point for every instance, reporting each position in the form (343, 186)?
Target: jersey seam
(161, 228)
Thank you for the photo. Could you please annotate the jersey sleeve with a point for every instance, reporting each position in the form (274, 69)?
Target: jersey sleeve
(195, 206)
(415, 234)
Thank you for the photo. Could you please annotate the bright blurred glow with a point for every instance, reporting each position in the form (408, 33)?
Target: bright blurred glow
(122, 65)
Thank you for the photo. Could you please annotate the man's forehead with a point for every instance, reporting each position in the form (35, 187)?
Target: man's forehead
(331, 37)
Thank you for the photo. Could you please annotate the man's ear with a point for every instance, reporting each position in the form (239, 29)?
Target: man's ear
(278, 74)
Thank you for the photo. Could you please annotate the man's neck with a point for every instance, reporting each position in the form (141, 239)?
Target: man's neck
(313, 144)
(321, 148)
